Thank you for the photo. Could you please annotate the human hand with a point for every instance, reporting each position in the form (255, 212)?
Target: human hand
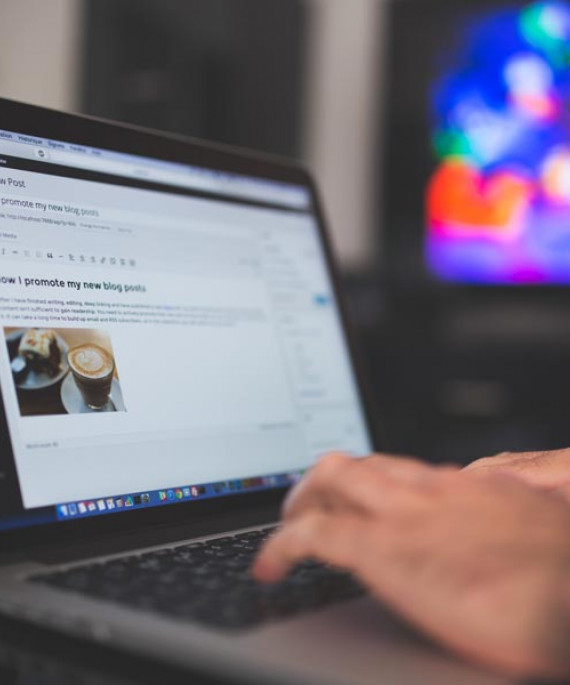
(547, 470)
(480, 564)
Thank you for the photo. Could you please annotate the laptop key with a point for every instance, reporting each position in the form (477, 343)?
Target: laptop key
(208, 582)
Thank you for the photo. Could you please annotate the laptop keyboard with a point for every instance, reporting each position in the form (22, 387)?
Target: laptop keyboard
(208, 582)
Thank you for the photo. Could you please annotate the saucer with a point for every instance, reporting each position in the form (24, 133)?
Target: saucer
(73, 403)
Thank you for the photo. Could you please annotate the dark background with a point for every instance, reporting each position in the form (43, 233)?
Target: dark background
(456, 373)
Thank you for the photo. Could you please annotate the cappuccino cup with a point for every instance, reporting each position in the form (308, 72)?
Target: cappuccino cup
(92, 368)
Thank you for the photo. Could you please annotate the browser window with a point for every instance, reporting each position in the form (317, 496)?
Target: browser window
(162, 325)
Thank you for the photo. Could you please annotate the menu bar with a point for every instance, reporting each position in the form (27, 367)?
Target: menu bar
(154, 170)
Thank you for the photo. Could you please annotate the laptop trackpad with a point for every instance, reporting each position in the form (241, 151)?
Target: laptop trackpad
(361, 642)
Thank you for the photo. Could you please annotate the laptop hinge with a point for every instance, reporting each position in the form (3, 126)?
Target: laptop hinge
(157, 535)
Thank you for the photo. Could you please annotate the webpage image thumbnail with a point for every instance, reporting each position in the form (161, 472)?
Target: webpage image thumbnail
(64, 371)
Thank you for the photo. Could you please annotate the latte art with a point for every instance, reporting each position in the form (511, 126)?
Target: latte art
(92, 368)
(91, 361)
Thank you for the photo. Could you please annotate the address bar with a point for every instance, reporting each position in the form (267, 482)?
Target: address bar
(247, 189)
(132, 171)
(188, 180)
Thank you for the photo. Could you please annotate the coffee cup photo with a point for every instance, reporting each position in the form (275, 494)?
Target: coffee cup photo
(64, 371)
(92, 368)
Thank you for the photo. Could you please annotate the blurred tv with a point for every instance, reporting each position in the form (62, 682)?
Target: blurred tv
(478, 170)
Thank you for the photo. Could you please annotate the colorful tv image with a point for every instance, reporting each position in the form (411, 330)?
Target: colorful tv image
(498, 200)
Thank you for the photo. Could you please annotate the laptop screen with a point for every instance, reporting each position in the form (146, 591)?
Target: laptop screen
(168, 333)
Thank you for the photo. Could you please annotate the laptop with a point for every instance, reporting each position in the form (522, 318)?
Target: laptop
(173, 357)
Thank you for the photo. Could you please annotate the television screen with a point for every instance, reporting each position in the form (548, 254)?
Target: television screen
(497, 203)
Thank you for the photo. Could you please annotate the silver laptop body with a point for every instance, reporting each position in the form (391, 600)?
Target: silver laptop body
(173, 357)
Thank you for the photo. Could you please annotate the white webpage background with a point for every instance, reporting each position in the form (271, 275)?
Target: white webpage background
(204, 403)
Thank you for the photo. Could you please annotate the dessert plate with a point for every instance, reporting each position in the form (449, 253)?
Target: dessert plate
(38, 380)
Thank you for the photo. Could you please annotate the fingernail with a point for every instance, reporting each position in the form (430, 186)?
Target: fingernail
(266, 572)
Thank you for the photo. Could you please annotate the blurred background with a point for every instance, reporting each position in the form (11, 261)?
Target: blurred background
(439, 133)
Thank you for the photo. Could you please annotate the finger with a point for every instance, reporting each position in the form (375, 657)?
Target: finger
(336, 481)
(330, 538)
(366, 486)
